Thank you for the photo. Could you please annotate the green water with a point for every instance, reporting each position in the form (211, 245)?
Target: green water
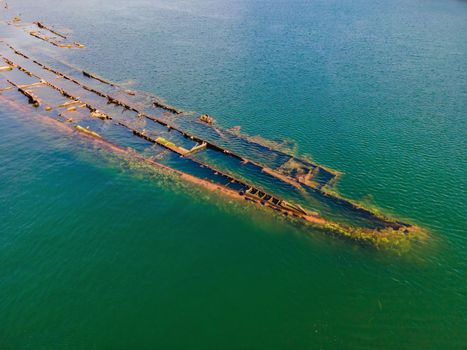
(95, 254)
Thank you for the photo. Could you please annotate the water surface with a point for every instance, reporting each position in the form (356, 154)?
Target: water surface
(95, 254)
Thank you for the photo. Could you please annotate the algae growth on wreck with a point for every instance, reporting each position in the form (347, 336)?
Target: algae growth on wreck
(225, 161)
(170, 221)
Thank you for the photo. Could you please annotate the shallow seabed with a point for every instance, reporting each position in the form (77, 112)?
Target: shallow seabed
(97, 253)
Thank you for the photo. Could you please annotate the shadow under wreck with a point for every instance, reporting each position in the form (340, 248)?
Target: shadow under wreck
(191, 146)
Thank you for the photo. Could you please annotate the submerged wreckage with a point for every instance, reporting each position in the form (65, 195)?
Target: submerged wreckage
(190, 146)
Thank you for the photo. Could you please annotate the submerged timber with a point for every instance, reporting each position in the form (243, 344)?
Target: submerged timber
(191, 147)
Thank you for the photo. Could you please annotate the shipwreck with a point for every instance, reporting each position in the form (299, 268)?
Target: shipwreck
(189, 145)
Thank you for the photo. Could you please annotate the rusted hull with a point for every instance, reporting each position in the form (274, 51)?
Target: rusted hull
(89, 98)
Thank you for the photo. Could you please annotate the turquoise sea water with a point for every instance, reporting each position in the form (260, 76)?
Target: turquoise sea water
(96, 254)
